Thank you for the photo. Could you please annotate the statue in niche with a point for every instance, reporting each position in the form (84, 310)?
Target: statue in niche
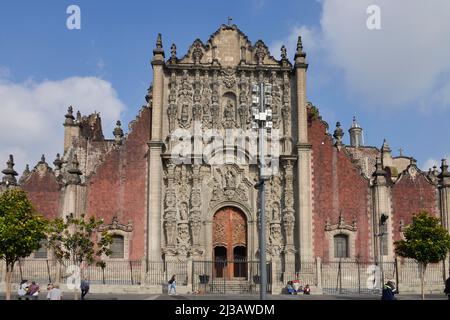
(275, 234)
(184, 114)
(230, 179)
(275, 213)
(183, 211)
(229, 111)
(183, 234)
(172, 114)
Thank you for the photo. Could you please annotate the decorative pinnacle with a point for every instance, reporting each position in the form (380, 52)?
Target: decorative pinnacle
(300, 52)
(42, 159)
(9, 173)
(158, 51)
(74, 171)
(444, 168)
(379, 171)
(385, 147)
(283, 53)
(118, 133)
(159, 41)
(69, 116)
(57, 162)
(27, 170)
(173, 51)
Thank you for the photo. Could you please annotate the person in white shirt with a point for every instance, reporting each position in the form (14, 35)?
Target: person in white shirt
(55, 293)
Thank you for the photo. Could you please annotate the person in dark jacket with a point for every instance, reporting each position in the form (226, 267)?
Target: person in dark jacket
(389, 291)
(84, 286)
(447, 287)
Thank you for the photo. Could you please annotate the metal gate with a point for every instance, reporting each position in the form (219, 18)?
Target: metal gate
(213, 277)
(356, 277)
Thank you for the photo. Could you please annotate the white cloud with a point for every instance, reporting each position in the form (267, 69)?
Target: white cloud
(32, 114)
(401, 64)
(429, 163)
(310, 40)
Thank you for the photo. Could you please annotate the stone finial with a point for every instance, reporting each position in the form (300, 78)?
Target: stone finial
(356, 136)
(444, 176)
(58, 162)
(78, 116)
(42, 161)
(74, 172)
(300, 53)
(338, 134)
(385, 147)
(283, 53)
(26, 173)
(159, 41)
(118, 133)
(435, 171)
(354, 123)
(173, 52)
(379, 174)
(158, 52)
(9, 178)
(69, 116)
(444, 166)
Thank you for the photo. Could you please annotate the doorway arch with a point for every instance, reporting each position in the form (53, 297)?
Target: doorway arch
(229, 243)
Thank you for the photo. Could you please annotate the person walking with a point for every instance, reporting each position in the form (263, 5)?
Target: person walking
(172, 286)
(447, 287)
(84, 286)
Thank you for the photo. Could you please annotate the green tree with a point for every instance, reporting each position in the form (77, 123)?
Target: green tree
(426, 241)
(78, 242)
(21, 230)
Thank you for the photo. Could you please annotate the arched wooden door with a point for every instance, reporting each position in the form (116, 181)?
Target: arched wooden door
(229, 243)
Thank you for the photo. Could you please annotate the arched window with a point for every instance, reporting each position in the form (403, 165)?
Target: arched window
(117, 247)
(41, 253)
(341, 249)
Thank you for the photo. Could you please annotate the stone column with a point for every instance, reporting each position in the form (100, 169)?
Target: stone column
(289, 220)
(304, 205)
(444, 194)
(70, 198)
(381, 205)
(154, 223)
(71, 129)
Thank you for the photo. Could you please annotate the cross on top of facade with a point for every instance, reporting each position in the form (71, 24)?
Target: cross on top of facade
(401, 151)
(229, 20)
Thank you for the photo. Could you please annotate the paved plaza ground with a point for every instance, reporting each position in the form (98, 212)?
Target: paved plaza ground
(98, 296)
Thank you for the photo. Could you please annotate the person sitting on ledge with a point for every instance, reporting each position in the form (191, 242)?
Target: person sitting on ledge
(289, 288)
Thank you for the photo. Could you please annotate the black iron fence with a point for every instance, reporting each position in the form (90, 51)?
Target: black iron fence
(241, 276)
(222, 277)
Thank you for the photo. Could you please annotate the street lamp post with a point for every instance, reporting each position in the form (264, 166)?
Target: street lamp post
(262, 120)
(380, 235)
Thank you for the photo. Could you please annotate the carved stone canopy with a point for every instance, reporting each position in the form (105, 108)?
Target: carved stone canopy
(115, 225)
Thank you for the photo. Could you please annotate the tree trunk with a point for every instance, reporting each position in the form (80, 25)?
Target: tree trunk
(8, 283)
(422, 279)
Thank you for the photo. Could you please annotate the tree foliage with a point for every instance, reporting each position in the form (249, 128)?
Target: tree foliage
(77, 239)
(21, 228)
(426, 241)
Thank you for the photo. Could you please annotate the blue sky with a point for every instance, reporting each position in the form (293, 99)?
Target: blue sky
(396, 80)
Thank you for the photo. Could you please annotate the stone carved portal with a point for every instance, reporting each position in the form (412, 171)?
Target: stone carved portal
(229, 243)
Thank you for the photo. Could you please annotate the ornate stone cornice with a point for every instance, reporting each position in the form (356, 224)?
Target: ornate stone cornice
(340, 225)
(115, 225)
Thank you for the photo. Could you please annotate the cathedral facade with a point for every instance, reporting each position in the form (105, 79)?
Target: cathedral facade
(180, 185)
